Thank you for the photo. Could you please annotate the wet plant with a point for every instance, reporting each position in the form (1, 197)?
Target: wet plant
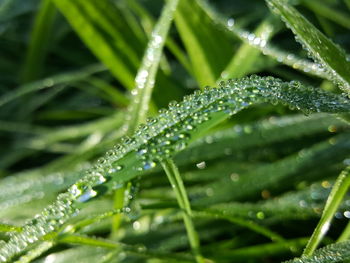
(175, 131)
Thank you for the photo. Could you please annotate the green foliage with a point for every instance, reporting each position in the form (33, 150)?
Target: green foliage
(92, 171)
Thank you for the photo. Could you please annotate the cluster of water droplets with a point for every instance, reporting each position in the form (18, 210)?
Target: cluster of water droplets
(170, 132)
(319, 49)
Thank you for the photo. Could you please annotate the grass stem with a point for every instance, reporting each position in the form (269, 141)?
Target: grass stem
(177, 184)
(339, 189)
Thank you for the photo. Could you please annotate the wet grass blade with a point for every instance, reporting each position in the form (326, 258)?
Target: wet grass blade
(335, 253)
(331, 57)
(183, 123)
(246, 55)
(265, 48)
(146, 75)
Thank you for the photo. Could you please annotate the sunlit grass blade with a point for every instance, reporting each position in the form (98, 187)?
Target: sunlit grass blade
(331, 57)
(336, 196)
(39, 41)
(161, 138)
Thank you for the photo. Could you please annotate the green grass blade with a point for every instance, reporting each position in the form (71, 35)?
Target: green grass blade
(327, 11)
(323, 50)
(35, 252)
(146, 75)
(246, 56)
(39, 41)
(335, 253)
(336, 196)
(178, 186)
(147, 21)
(251, 225)
(114, 93)
(92, 22)
(200, 37)
(249, 136)
(265, 48)
(345, 235)
(9, 228)
(163, 137)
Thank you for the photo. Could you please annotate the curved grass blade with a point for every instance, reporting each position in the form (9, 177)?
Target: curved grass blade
(335, 253)
(257, 252)
(331, 57)
(336, 196)
(163, 137)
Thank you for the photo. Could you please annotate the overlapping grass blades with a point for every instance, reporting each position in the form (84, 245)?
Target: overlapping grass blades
(164, 136)
(330, 56)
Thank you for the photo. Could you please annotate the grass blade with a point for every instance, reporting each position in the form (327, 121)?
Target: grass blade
(200, 38)
(322, 49)
(39, 41)
(335, 253)
(177, 184)
(265, 48)
(246, 55)
(109, 39)
(163, 137)
(336, 196)
(146, 75)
